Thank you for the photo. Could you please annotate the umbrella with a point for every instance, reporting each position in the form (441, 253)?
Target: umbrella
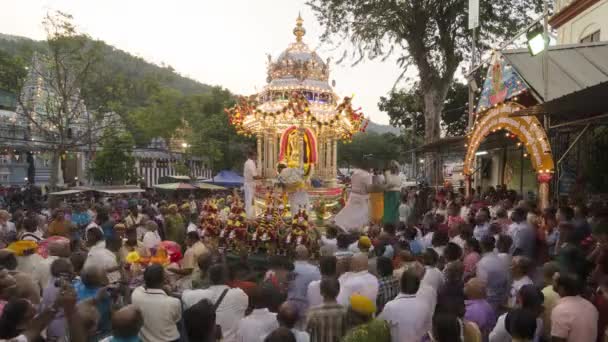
(176, 186)
(206, 186)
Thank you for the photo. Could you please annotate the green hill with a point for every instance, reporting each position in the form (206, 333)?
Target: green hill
(116, 61)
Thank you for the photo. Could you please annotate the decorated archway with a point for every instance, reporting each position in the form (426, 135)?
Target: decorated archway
(527, 129)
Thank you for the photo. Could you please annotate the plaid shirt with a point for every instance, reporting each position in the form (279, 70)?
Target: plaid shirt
(326, 322)
(388, 290)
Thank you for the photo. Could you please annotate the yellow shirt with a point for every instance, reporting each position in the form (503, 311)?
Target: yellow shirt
(551, 298)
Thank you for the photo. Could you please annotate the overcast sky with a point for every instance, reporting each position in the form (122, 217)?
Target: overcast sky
(215, 42)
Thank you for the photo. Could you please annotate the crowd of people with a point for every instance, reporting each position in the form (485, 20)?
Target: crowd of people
(440, 267)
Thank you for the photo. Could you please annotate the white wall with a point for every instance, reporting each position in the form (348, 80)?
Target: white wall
(592, 19)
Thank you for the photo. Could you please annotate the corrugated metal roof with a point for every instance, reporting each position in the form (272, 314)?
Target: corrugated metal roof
(571, 68)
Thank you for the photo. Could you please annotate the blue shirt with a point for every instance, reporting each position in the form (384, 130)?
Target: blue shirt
(415, 247)
(304, 273)
(83, 293)
(81, 219)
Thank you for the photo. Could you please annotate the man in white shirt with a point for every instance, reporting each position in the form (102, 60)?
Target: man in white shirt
(161, 312)
(305, 273)
(410, 313)
(433, 277)
(327, 266)
(101, 256)
(482, 227)
(260, 322)
(520, 270)
(358, 281)
(231, 307)
(250, 175)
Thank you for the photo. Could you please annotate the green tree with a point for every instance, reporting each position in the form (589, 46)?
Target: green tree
(114, 163)
(161, 117)
(212, 137)
(382, 148)
(56, 110)
(12, 72)
(429, 35)
(406, 110)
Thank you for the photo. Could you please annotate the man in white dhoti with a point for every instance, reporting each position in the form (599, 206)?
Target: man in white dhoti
(250, 175)
(355, 214)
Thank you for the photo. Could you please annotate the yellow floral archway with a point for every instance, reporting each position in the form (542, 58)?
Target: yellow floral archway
(527, 128)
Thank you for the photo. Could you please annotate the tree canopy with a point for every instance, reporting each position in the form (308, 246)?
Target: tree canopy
(406, 110)
(381, 148)
(430, 35)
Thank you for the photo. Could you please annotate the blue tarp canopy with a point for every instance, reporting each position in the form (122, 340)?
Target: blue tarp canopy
(226, 178)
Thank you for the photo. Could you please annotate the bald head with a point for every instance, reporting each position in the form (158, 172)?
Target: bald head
(359, 263)
(301, 252)
(287, 315)
(60, 248)
(127, 321)
(475, 288)
(93, 276)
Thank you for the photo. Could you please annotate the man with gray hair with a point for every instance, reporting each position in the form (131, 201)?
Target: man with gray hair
(92, 288)
(358, 280)
(304, 273)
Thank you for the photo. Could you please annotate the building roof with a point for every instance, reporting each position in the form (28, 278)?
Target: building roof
(572, 68)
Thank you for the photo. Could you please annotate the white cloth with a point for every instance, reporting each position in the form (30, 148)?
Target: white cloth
(256, 326)
(230, 311)
(100, 256)
(151, 239)
(34, 265)
(249, 173)
(516, 285)
(249, 190)
(458, 240)
(92, 225)
(363, 283)
(409, 316)
(500, 333)
(392, 182)
(427, 239)
(313, 294)
(298, 199)
(301, 336)
(355, 214)
(433, 277)
(160, 312)
(191, 227)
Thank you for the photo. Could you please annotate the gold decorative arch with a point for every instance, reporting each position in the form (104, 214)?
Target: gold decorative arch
(527, 128)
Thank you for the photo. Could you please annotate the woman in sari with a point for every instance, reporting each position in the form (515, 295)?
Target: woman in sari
(376, 197)
(392, 193)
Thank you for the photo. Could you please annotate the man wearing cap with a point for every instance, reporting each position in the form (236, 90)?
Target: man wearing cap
(363, 325)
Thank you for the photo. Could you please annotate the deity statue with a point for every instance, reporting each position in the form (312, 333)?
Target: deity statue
(293, 153)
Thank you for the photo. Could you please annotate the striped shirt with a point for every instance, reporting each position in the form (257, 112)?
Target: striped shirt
(326, 322)
(389, 289)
